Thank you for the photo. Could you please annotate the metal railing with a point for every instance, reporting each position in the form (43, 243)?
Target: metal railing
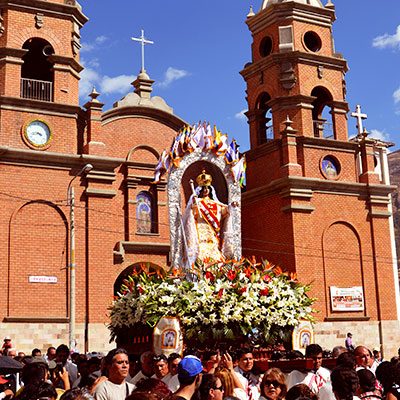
(36, 90)
(323, 130)
(269, 134)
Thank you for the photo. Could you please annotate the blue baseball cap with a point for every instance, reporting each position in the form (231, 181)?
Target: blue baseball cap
(189, 366)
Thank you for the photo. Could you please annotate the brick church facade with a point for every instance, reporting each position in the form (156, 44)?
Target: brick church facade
(315, 202)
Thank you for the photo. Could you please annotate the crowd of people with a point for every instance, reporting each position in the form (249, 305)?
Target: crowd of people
(233, 374)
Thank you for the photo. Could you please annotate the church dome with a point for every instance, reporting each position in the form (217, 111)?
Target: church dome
(315, 3)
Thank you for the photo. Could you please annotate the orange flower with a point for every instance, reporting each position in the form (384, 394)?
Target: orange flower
(278, 270)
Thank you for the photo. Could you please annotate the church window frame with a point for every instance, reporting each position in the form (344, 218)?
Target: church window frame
(329, 163)
(145, 209)
(312, 41)
(266, 46)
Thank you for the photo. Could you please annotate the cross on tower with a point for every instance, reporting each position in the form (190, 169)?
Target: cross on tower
(359, 117)
(143, 42)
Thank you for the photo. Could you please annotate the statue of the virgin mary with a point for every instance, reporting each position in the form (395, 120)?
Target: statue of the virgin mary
(208, 224)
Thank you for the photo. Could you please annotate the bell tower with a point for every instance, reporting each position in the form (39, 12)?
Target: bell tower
(295, 72)
(39, 74)
(314, 202)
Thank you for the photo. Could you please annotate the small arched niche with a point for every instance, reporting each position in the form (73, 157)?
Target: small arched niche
(37, 76)
(179, 191)
(145, 213)
(322, 114)
(266, 47)
(218, 180)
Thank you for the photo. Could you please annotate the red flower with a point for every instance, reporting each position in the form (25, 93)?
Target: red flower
(266, 278)
(231, 275)
(242, 290)
(247, 271)
(221, 292)
(209, 276)
(141, 291)
(264, 292)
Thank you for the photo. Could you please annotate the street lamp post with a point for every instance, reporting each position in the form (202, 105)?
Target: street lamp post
(72, 264)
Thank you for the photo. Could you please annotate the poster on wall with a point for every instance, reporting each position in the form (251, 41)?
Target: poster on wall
(347, 299)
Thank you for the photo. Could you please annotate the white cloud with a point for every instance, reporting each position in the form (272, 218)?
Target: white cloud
(240, 115)
(117, 84)
(380, 135)
(86, 47)
(101, 39)
(396, 96)
(386, 40)
(89, 78)
(104, 84)
(172, 75)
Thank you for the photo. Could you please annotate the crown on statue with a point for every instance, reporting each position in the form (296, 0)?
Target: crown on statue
(204, 179)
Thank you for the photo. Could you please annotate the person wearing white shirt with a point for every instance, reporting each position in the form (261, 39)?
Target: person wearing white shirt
(146, 365)
(249, 381)
(171, 379)
(115, 387)
(315, 378)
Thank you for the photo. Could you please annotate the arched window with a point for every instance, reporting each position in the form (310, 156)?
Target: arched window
(264, 118)
(37, 76)
(144, 213)
(322, 118)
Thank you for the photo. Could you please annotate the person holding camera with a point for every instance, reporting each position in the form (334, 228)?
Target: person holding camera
(62, 356)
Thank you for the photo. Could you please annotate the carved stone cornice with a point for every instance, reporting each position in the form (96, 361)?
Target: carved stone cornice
(152, 113)
(292, 11)
(293, 57)
(298, 100)
(47, 159)
(64, 60)
(298, 187)
(327, 144)
(142, 247)
(133, 180)
(50, 7)
(42, 107)
(12, 52)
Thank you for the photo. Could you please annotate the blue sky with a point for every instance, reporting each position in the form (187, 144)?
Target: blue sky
(200, 47)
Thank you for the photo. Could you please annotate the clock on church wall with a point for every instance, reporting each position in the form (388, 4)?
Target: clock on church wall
(37, 134)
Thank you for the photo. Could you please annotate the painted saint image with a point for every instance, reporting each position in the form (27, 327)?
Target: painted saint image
(305, 339)
(169, 339)
(144, 213)
(208, 224)
(329, 168)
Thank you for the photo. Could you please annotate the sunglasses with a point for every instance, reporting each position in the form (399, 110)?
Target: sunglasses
(275, 384)
(221, 388)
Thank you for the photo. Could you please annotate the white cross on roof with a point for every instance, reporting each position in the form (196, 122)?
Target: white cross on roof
(359, 116)
(143, 42)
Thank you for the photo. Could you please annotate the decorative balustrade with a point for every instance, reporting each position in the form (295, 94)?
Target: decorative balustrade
(323, 129)
(36, 90)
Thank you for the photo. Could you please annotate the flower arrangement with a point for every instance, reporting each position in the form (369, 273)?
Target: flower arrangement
(223, 301)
